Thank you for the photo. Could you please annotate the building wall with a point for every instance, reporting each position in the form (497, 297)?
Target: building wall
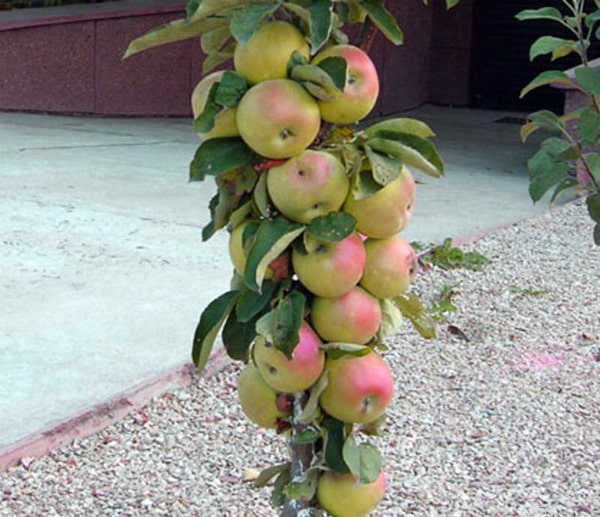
(72, 64)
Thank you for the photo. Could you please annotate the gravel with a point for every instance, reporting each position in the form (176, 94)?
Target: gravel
(499, 415)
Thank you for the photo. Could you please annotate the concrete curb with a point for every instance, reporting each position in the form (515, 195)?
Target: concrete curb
(100, 416)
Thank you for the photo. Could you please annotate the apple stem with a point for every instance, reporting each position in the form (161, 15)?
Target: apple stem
(301, 457)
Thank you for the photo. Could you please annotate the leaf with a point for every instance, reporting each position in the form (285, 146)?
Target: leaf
(319, 23)
(547, 120)
(400, 125)
(558, 47)
(311, 408)
(589, 79)
(217, 58)
(332, 227)
(384, 169)
(221, 207)
(278, 495)
(364, 460)
(565, 184)
(210, 323)
(272, 238)
(593, 205)
(303, 488)
(208, 8)
(391, 319)
(214, 40)
(589, 126)
(335, 350)
(287, 319)
(544, 13)
(383, 20)
(412, 308)
(177, 30)
(247, 18)
(544, 172)
(592, 161)
(412, 150)
(250, 303)
(237, 337)
(334, 444)
(309, 434)
(230, 89)
(548, 77)
(364, 185)
(217, 156)
(269, 473)
(336, 68)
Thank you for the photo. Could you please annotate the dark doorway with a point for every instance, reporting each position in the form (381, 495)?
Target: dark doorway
(501, 65)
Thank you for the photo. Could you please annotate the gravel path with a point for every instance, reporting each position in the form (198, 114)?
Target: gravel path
(500, 415)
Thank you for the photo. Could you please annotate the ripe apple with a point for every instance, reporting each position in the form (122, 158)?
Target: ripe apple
(330, 269)
(341, 495)
(390, 266)
(361, 89)
(353, 317)
(265, 55)
(291, 375)
(225, 124)
(310, 184)
(258, 399)
(386, 212)
(359, 389)
(278, 118)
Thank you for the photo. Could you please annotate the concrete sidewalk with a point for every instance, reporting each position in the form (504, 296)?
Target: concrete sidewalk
(104, 273)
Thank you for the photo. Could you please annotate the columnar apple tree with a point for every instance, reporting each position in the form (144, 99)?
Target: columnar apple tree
(313, 204)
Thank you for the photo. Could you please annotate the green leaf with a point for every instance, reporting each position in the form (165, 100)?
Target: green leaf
(205, 121)
(208, 8)
(272, 238)
(177, 30)
(335, 350)
(237, 337)
(278, 495)
(593, 205)
(548, 77)
(383, 20)
(308, 435)
(214, 40)
(332, 227)
(364, 460)
(412, 308)
(400, 125)
(220, 207)
(544, 13)
(589, 126)
(250, 303)
(414, 151)
(304, 488)
(336, 68)
(319, 23)
(558, 47)
(230, 89)
(451, 3)
(565, 184)
(544, 172)
(247, 18)
(215, 59)
(596, 234)
(391, 319)
(547, 120)
(191, 8)
(287, 319)
(269, 473)
(210, 323)
(592, 161)
(364, 185)
(217, 156)
(589, 79)
(311, 408)
(334, 445)
(384, 169)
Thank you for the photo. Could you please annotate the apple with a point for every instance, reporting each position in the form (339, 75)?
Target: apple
(310, 184)
(359, 389)
(258, 400)
(360, 92)
(390, 266)
(330, 269)
(353, 317)
(225, 124)
(278, 118)
(265, 55)
(387, 211)
(290, 375)
(341, 495)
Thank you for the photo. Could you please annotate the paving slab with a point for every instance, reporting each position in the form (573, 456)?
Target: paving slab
(103, 272)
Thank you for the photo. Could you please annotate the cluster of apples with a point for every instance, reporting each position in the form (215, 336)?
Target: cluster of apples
(348, 279)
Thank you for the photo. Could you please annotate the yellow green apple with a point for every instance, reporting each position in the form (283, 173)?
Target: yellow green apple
(278, 118)
(310, 184)
(390, 266)
(360, 92)
(387, 211)
(341, 495)
(225, 124)
(330, 269)
(265, 55)
(290, 375)
(359, 389)
(353, 317)
(258, 399)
